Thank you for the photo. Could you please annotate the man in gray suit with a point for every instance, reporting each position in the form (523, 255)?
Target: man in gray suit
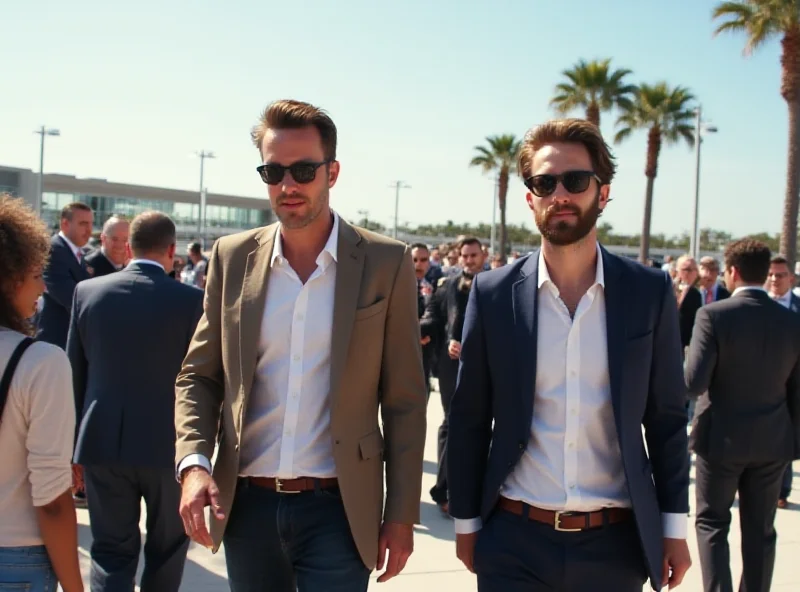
(745, 356)
(128, 336)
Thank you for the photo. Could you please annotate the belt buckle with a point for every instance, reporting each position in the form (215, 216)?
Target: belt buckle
(557, 523)
(279, 486)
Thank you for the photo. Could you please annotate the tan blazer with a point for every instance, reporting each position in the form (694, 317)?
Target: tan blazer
(376, 362)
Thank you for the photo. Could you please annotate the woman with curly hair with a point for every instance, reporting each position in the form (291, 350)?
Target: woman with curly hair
(38, 529)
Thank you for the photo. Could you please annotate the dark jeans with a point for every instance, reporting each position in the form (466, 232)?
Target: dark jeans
(515, 554)
(26, 569)
(786, 485)
(114, 495)
(283, 542)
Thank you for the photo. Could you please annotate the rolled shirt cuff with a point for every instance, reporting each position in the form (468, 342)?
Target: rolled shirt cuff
(193, 460)
(467, 525)
(675, 526)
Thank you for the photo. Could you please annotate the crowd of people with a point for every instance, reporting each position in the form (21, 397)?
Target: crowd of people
(274, 399)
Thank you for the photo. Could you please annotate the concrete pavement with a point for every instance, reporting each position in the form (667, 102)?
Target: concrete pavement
(434, 568)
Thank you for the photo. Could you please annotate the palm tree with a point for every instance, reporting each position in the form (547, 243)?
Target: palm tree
(762, 20)
(499, 155)
(593, 86)
(665, 114)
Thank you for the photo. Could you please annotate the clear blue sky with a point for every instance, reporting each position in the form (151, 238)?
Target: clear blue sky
(413, 86)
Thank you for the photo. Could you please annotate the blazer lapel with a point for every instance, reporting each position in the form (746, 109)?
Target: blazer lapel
(349, 269)
(251, 305)
(616, 330)
(525, 307)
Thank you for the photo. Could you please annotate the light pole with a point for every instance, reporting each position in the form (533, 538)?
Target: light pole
(201, 225)
(699, 128)
(42, 131)
(398, 185)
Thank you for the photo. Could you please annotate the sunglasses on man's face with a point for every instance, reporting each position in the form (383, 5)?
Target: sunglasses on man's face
(303, 171)
(573, 182)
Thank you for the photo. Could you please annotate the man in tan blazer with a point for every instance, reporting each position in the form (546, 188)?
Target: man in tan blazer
(309, 332)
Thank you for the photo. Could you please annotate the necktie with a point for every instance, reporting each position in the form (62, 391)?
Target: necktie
(709, 296)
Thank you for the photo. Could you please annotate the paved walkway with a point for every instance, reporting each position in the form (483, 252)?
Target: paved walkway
(434, 568)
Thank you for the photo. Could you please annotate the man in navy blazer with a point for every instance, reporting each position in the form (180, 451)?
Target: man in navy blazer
(566, 354)
(64, 270)
(129, 334)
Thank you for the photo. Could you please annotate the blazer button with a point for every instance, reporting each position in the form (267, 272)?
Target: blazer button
(522, 445)
(236, 447)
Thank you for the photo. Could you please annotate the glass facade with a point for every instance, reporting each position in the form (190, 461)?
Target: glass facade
(219, 219)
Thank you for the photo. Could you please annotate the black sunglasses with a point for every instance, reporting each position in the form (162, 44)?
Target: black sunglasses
(573, 182)
(303, 171)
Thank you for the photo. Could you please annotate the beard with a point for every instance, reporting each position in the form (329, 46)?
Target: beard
(566, 232)
(303, 216)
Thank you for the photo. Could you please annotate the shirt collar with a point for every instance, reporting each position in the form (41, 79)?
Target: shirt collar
(70, 244)
(327, 254)
(599, 278)
(743, 288)
(786, 299)
(146, 262)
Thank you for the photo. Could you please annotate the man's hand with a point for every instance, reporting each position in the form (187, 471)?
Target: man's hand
(465, 549)
(77, 479)
(676, 561)
(454, 349)
(198, 490)
(425, 340)
(398, 539)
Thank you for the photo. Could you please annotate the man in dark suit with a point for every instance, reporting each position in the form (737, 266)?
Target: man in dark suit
(112, 254)
(566, 354)
(420, 255)
(443, 322)
(689, 298)
(779, 285)
(64, 270)
(129, 334)
(711, 289)
(744, 359)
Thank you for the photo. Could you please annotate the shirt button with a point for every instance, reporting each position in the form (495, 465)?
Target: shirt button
(572, 444)
(572, 373)
(572, 486)
(294, 394)
(573, 411)
(288, 432)
(296, 357)
(299, 317)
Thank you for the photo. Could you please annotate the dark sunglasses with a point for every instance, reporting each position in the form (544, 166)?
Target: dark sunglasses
(303, 171)
(573, 182)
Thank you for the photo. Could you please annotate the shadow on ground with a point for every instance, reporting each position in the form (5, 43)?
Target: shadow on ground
(434, 523)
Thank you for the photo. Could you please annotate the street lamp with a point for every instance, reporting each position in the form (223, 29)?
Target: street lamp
(495, 191)
(699, 129)
(398, 185)
(42, 131)
(201, 226)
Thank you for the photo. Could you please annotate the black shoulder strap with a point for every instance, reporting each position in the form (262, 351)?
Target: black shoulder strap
(5, 382)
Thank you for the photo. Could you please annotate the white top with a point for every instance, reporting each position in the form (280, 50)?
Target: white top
(785, 300)
(286, 430)
(36, 437)
(743, 288)
(573, 461)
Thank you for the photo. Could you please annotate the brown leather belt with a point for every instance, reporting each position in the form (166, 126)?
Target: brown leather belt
(567, 521)
(298, 485)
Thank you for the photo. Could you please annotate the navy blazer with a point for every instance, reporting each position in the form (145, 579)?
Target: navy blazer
(497, 379)
(61, 275)
(129, 334)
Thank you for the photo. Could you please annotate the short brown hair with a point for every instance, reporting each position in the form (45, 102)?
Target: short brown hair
(751, 258)
(779, 260)
(69, 209)
(574, 131)
(24, 247)
(468, 240)
(290, 114)
(709, 263)
(151, 232)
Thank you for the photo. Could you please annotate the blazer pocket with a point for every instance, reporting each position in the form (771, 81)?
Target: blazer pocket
(371, 445)
(371, 310)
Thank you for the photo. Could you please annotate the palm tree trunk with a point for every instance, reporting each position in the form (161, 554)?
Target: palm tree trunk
(593, 113)
(790, 204)
(502, 192)
(651, 170)
(644, 244)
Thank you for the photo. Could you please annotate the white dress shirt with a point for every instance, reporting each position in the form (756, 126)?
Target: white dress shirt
(573, 461)
(785, 300)
(77, 251)
(146, 262)
(286, 430)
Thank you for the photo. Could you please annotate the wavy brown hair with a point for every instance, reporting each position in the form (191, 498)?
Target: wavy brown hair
(24, 248)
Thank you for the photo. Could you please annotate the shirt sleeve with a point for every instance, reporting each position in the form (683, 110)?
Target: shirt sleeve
(467, 525)
(674, 525)
(47, 391)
